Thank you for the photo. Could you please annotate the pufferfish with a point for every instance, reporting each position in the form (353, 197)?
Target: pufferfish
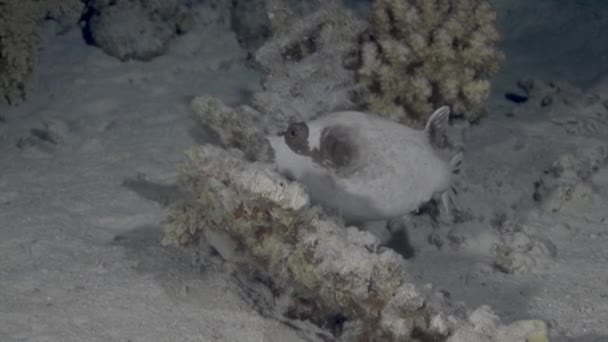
(367, 168)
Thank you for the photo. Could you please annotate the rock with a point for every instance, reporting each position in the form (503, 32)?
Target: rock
(126, 32)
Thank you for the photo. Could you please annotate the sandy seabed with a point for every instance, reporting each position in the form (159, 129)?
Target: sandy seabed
(80, 252)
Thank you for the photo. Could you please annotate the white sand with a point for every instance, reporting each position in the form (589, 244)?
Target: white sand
(80, 254)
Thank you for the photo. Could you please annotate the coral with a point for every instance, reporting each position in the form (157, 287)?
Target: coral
(420, 55)
(266, 225)
(183, 223)
(242, 128)
(309, 65)
(280, 234)
(19, 40)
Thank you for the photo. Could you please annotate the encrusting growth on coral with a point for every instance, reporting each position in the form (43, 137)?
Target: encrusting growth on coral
(422, 54)
(19, 21)
(242, 128)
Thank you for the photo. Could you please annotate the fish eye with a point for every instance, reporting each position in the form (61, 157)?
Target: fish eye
(292, 132)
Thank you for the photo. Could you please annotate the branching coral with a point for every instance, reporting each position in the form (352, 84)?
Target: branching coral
(423, 54)
(19, 40)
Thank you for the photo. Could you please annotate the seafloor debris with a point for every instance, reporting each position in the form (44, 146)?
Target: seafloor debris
(522, 251)
(568, 107)
(569, 185)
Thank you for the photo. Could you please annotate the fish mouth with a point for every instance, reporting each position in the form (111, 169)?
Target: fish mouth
(278, 145)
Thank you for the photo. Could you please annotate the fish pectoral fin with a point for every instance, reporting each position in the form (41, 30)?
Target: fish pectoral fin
(456, 162)
(436, 127)
(446, 213)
